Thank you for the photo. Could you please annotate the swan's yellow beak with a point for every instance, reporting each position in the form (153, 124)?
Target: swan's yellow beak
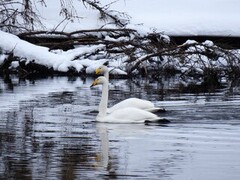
(98, 71)
(95, 82)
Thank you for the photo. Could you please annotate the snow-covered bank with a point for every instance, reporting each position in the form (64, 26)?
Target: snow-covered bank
(132, 49)
(190, 58)
(60, 61)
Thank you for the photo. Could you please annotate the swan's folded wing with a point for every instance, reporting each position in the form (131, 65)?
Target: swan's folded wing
(132, 102)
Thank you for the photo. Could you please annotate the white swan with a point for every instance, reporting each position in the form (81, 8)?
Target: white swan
(130, 102)
(123, 115)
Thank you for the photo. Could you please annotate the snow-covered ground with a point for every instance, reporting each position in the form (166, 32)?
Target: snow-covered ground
(186, 17)
(173, 17)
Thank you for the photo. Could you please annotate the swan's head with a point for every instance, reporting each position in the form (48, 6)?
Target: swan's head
(101, 69)
(99, 80)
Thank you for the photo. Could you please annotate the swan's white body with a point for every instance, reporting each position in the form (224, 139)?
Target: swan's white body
(134, 102)
(123, 115)
(130, 102)
(128, 115)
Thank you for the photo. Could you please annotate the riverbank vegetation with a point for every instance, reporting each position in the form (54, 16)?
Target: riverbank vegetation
(129, 50)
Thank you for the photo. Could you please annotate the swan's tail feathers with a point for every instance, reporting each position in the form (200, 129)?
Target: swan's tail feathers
(158, 121)
(157, 110)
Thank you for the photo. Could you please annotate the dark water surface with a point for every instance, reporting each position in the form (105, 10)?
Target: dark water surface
(47, 131)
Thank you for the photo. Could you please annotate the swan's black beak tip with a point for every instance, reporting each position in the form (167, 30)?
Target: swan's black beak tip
(93, 84)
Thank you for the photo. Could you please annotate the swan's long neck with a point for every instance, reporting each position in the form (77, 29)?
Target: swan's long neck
(106, 74)
(104, 100)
